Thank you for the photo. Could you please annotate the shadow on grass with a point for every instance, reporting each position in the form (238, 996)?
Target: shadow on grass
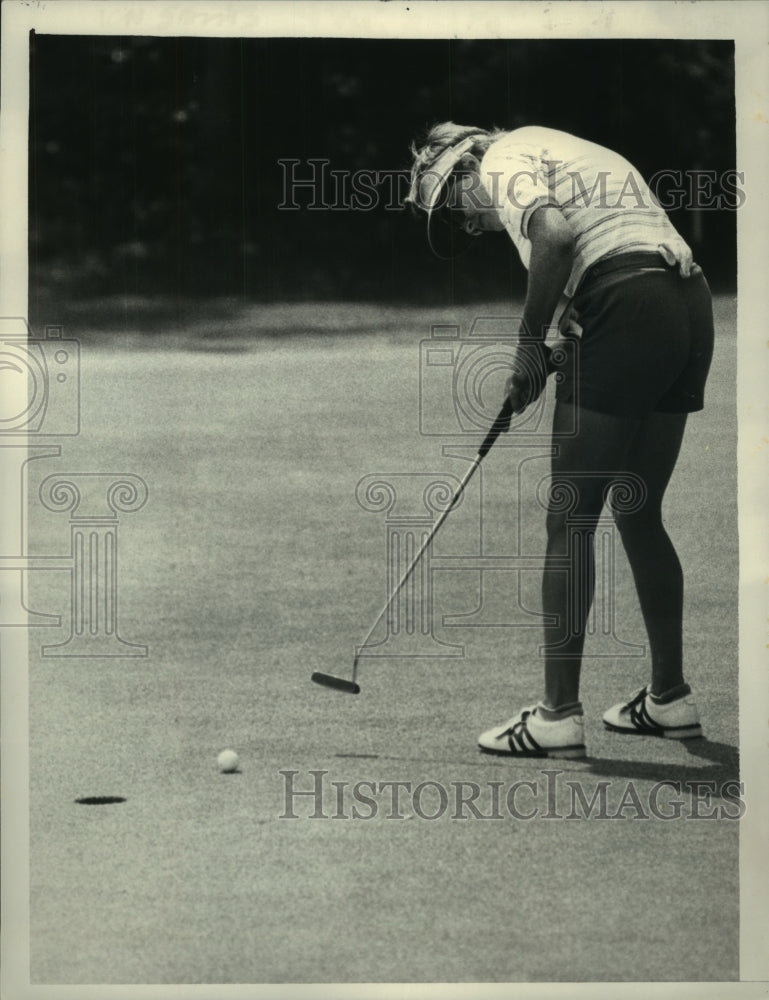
(718, 772)
(720, 767)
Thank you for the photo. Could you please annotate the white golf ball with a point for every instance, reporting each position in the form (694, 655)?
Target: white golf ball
(228, 761)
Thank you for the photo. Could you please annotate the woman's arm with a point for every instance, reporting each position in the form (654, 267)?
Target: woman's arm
(552, 257)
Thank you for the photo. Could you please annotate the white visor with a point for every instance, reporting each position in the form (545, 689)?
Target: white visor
(445, 240)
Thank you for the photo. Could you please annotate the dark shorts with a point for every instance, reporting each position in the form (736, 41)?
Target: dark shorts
(646, 343)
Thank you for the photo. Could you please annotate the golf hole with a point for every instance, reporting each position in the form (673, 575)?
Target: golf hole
(100, 800)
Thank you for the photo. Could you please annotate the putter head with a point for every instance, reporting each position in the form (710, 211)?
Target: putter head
(338, 683)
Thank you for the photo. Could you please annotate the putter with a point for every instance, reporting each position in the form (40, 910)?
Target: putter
(500, 425)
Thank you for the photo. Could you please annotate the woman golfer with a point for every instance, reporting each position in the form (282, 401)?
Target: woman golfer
(602, 254)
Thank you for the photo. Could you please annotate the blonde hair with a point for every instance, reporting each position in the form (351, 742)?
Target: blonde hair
(436, 141)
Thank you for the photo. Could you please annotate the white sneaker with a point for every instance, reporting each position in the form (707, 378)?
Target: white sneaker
(677, 720)
(529, 735)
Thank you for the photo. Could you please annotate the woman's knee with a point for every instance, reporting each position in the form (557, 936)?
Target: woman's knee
(565, 529)
(638, 524)
(556, 526)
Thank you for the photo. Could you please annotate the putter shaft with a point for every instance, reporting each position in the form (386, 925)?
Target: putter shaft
(501, 423)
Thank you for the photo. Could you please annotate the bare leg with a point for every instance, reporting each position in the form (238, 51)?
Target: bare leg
(583, 468)
(656, 569)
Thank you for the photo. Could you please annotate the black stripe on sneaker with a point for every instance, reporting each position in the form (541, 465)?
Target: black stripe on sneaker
(639, 716)
(534, 744)
(517, 738)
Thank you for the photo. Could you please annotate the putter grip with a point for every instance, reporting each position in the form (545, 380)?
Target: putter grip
(500, 425)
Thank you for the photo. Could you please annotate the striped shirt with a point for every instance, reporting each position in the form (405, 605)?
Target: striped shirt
(603, 197)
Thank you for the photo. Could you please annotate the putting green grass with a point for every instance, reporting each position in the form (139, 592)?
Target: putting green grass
(251, 566)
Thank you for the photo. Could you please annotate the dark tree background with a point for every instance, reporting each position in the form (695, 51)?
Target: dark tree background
(155, 163)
